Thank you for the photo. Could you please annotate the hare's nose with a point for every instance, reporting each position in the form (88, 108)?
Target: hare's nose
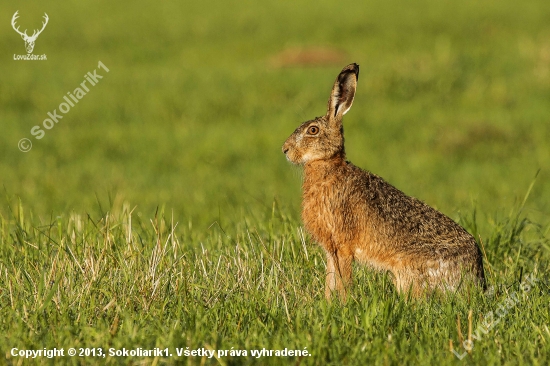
(285, 147)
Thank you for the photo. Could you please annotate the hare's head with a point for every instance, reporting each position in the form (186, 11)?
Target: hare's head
(323, 137)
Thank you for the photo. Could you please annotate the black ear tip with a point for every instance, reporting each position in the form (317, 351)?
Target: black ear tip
(354, 68)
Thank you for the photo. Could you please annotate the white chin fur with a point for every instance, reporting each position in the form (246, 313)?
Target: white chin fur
(306, 158)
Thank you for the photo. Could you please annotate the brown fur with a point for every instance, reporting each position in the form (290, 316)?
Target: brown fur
(356, 215)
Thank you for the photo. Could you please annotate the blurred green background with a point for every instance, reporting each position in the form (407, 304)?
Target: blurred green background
(453, 103)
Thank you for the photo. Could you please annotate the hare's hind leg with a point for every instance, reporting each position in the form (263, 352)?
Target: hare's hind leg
(338, 274)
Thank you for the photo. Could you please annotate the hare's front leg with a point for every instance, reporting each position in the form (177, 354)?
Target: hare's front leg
(338, 274)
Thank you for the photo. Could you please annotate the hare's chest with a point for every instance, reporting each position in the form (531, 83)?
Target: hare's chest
(321, 213)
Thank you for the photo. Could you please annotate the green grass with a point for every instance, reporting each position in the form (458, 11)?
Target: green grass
(160, 211)
(121, 281)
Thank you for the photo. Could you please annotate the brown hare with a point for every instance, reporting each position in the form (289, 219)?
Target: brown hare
(356, 215)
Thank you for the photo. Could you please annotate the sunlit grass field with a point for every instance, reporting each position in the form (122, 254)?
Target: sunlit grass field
(161, 212)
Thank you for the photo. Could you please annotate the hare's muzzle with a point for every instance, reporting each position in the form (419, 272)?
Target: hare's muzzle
(286, 147)
(285, 150)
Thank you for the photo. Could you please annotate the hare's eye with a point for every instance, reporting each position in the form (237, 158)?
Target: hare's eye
(313, 130)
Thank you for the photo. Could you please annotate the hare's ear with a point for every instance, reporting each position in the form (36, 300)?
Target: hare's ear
(343, 92)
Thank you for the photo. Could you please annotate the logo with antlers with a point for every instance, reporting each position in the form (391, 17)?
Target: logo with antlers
(29, 40)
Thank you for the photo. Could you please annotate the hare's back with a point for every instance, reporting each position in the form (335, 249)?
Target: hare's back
(406, 218)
